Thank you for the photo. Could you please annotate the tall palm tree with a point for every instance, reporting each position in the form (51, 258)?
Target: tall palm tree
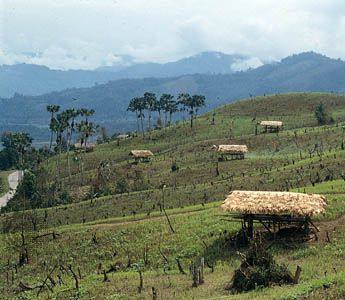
(133, 107)
(172, 108)
(192, 103)
(71, 115)
(182, 100)
(150, 101)
(165, 100)
(52, 109)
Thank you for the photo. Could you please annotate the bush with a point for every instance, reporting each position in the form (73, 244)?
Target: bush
(259, 269)
(121, 186)
(321, 115)
(174, 167)
(64, 198)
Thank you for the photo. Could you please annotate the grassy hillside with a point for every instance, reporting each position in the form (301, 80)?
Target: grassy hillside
(128, 230)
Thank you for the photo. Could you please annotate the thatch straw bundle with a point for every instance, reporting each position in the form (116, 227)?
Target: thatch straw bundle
(141, 153)
(274, 203)
(271, 123)
(231, 149)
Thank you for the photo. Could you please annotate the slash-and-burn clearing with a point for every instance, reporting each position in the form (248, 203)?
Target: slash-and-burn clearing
(156, 230)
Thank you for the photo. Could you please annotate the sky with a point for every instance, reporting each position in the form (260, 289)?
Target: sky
(85, 34)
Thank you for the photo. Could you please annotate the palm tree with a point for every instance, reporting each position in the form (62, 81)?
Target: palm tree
(193, 103)
(52, 109)
(183, 99)
(165, 101)
(172, 108)
(86, 113)
(71, 115)
(150, 102)
(133, 107)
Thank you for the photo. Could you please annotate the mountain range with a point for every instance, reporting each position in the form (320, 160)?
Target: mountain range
(305, 72)
(33, 80)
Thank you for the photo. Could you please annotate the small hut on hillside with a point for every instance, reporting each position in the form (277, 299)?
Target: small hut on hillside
(274, 209)
(141, 155)
(232, 151)
(122, 136)
(271, 126)
(81, 147)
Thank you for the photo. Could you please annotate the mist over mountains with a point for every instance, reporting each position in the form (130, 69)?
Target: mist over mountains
(33, 80)
(305, 72)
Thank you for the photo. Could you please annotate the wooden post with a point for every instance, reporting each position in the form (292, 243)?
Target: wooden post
(201, 271)
(274, 229)
(250, 227)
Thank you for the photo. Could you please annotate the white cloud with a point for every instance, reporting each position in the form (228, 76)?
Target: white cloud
(242, 65)
(89, 33)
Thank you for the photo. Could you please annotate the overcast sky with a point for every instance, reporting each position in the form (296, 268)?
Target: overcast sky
(89, 33)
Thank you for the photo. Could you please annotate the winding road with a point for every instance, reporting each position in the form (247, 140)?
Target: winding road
(13, 180)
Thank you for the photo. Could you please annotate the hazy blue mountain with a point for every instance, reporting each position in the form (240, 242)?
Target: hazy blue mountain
(203, 63)
(297, 73)
(29, 79)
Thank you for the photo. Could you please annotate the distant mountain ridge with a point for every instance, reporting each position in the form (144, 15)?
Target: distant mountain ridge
(35, 80)
(306, 72)
(202, 63)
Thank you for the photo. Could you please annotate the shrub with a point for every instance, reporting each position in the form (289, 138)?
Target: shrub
(321, 115)
(259, 268)
(121, 186)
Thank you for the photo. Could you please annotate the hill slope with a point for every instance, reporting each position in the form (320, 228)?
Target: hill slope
(120, 234)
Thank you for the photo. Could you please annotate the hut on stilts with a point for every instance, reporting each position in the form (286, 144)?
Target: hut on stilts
(230, 151)
(141, 155)
(82, 147)
(271, 126)
(274, 210)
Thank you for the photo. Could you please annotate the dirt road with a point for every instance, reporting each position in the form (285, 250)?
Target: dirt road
(13, 180)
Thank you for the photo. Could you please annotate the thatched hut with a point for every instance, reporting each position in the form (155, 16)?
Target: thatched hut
(81, 147)
(271, 126)
(232, 151)
(277, 208)
(141, 155)
(122, 136)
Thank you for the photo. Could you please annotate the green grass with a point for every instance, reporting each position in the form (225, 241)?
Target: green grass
(99, 230)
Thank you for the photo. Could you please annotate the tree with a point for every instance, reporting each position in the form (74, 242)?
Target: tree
(150, 103)
(86, 129)
(192, 103)
(141, 104)
(9, 156)
(133, 106)
(165, 103)
(172, 108)
(52, 109)
(321, 114)
(20, 142)
(71, 114)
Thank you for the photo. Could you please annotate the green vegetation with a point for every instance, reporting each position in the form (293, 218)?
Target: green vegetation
(118, 227)
(4, 187)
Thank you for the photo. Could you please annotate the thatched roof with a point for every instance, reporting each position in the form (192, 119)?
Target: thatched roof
(89, 146)
(122, 136)
(274, 203)
(141, 153)
(231, 149)
(271, 123)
